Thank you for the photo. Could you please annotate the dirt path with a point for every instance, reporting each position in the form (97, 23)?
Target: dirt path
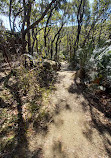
(71, 133)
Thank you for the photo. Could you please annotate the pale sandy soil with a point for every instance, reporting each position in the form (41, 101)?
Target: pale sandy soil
(72, 133)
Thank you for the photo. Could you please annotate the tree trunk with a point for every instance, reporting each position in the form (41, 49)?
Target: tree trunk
(43, 15)
(51, 50)
(28, 32)
(55, 38)
(56, 48)
(80, 20)
(28, 24)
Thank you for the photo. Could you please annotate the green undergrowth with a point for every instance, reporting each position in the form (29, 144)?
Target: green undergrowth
(23, 91)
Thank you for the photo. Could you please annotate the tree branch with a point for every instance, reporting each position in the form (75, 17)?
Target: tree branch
(43, 15)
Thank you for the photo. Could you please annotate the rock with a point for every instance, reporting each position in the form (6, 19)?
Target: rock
(49, 64)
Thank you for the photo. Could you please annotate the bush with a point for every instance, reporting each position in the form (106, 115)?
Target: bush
(100, 64)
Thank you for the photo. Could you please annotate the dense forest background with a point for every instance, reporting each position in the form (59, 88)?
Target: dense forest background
(42, 34)
(71, 30)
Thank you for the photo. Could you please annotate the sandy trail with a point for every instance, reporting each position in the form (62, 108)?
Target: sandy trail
(71, 134)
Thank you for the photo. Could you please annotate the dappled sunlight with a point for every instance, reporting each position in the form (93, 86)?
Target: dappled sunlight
(55, 79)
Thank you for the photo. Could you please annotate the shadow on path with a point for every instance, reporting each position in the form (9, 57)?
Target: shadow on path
(95, 108)
(20, 140)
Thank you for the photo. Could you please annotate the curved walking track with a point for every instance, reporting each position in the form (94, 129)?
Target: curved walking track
(70, 135)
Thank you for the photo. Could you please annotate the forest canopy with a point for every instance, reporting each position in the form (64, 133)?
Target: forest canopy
(72, 30)
(54, 41)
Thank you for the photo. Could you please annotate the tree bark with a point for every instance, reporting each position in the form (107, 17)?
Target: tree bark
(28, 24)
(55, 38)
(45, 31)
(56, 48)
(43, 15)
(10, 10)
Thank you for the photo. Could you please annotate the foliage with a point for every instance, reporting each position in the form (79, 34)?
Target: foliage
(101, 61)
(39, 31)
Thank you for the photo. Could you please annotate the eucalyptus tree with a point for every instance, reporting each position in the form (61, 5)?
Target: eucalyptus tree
(100, 12)
(29, 15)
(60, 18)
(81, 11)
